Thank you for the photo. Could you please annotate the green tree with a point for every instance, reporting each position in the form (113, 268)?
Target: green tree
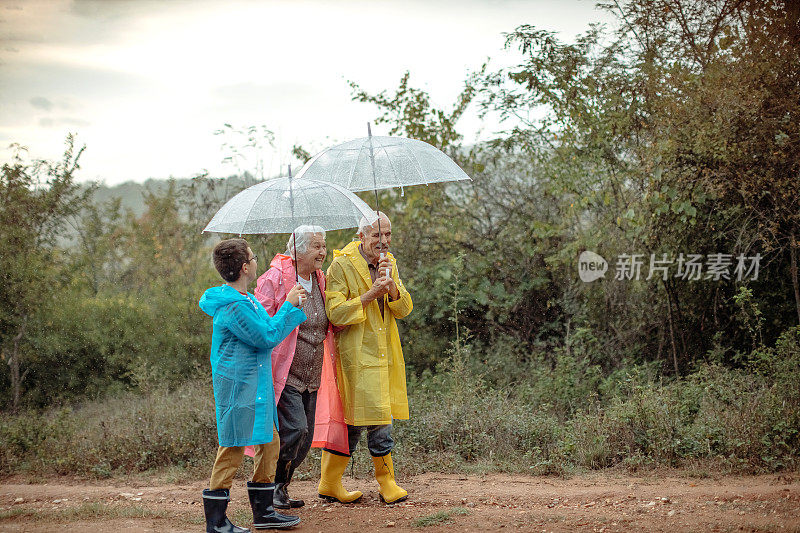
(246, 149)
(36, 199)
(723, 86)
(674, 134)
(98, 259)
(671, 135)
(504, 281)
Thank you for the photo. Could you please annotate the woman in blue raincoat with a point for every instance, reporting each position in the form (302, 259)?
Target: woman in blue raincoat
(241, 346)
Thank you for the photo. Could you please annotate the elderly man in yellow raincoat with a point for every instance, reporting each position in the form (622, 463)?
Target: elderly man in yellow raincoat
(364, 297)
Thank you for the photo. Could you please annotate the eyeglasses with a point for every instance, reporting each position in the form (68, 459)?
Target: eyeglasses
(254, 258)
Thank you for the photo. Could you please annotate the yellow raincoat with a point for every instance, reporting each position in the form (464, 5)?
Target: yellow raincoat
(370, 369)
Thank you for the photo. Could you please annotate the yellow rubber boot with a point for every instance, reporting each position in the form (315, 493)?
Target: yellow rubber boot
(384, 473)
(330, 482)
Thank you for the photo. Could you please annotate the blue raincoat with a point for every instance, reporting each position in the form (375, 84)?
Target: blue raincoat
(241, 348)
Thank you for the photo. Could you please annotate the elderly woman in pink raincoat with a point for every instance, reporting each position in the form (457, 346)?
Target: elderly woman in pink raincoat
(309, 408)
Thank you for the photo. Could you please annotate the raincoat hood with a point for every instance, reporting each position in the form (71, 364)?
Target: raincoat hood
(217, 297)
(282, 262)
(284, 265)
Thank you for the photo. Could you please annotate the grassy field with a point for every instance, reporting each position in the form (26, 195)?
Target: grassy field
(565, 419)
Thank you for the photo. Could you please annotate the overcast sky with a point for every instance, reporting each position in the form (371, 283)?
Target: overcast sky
(145, 84)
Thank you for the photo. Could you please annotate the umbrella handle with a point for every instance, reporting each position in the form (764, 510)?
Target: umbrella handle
(388, 272)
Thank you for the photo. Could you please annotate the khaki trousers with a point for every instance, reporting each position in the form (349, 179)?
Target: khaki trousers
(229, 459)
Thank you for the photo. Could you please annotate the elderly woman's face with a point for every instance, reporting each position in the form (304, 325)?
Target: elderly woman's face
(314, 255)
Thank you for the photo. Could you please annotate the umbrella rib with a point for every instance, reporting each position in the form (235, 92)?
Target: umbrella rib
(389, 159)
(253, 206)
(353, 169)
(419, 166)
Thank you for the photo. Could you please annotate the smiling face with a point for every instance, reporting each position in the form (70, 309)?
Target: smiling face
(314, 255)
(373, 242)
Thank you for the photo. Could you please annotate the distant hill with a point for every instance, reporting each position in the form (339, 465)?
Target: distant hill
(132, 194)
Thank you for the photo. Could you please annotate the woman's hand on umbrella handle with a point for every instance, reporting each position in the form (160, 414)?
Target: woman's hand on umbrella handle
(295, 295)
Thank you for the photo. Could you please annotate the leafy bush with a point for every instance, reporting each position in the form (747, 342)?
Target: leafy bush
(128, 433)
(740, 420)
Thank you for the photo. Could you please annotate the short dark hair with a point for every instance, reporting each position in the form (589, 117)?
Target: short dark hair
(229, 256)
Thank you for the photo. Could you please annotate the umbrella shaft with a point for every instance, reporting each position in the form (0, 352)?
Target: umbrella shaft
(374, 179)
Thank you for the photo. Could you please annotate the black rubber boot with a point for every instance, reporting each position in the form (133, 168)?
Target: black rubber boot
(264, 515)
(215, 503)
(283, 476)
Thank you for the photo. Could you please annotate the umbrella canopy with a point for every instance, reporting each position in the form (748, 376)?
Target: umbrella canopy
(282, 204)
(372, 163)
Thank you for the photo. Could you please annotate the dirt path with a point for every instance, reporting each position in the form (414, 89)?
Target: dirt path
(438, 502)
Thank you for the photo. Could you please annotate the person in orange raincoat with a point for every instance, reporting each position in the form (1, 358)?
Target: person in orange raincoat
(308, 404)
(365, 297)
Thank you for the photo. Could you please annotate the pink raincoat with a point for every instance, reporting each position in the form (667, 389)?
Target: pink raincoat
(330, 430)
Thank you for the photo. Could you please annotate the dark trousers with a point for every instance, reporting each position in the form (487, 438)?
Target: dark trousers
(296, 423)
(379, 439)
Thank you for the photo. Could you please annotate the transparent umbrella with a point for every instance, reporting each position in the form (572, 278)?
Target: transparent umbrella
(372, 163)
(280, 205)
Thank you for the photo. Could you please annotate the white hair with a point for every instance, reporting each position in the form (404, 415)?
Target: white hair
(364, 224)
(302, 237)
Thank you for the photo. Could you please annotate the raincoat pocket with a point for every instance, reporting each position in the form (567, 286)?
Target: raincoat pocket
(373, 351)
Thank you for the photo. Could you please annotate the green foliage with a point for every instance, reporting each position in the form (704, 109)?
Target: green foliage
(36, 199)
(738, 420)
(123, 434)
(411, 113)
(675, 134)
(120, 310)
(668, 136)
